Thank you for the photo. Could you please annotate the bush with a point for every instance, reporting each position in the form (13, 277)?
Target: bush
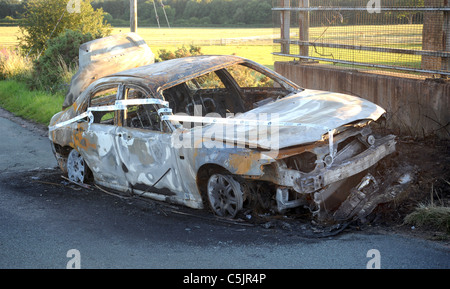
(164, 54)
(14, 66)
(60, 61)
(46, 19)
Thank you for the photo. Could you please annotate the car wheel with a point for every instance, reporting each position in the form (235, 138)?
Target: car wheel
(225, 195)
(76, 167)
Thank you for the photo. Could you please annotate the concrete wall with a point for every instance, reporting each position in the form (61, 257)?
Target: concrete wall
(415, 107)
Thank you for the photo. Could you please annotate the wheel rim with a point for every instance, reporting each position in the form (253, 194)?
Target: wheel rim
(76, 167)
(225, 195)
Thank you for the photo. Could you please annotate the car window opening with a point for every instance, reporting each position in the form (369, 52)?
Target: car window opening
(233, 90)
(104, 97)
(144, 116)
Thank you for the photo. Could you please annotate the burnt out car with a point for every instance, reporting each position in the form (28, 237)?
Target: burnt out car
(224, 133)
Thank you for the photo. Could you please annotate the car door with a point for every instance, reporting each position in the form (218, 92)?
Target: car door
(95, 140)
(149, 161)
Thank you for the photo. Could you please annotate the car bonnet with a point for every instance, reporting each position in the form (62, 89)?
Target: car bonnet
(302, 118)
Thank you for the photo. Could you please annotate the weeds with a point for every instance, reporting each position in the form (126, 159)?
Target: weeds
(165, 54)
(13, 65)
(16, 73)
(436, 217)
(36, 105)
(435, 214)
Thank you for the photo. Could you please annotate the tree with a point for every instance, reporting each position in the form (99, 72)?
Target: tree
(59, 60)
(410, 14)
(46, 19)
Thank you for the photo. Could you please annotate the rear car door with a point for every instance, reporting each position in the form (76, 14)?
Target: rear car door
(95, 140)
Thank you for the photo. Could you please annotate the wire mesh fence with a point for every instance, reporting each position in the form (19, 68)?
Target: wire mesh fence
(410, 36)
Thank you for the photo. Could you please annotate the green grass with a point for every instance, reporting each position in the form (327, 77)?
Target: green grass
(38, 106)
(258, 53)
(187, 35)
(8, 36)
(395, 36)
(173, 38)
(435, 217)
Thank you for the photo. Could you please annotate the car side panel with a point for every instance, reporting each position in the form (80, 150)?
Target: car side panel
(95, 142)
(150, 165)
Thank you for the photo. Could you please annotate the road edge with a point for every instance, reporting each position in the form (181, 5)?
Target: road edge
(30, 125)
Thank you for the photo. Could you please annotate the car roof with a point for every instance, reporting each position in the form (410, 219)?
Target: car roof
(165, 74)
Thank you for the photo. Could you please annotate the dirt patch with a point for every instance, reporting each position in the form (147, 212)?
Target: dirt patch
(429, 160)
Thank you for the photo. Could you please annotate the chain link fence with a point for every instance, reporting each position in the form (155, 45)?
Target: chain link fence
(408, 36)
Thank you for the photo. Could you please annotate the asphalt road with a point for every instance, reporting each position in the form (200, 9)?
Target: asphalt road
(42, 219)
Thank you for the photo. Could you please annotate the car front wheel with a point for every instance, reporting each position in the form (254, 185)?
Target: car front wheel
(225, 195)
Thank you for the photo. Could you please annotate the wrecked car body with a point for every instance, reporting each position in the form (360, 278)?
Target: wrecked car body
(224, 133)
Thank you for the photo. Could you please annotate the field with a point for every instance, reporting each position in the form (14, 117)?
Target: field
(212, 40)
(257, 43)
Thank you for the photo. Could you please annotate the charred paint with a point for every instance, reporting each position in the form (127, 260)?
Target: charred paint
(242, 164)
(141, 151)
(79, 141)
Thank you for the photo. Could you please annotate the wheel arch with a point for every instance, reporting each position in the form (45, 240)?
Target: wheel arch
(203, 175)
(61, 154)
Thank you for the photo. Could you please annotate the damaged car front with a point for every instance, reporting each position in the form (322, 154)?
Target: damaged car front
(310, 148)
(226, 133)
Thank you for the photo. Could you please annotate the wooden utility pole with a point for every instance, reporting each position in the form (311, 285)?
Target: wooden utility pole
(285, 27)
(433, 35)
(133, 15)
(445, 65)
(303, 22)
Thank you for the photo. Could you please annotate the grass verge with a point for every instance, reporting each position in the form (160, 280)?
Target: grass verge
(38, 106)
(431, 216)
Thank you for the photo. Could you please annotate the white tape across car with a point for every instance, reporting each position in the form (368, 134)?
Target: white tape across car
(119, 105)
(123, 104)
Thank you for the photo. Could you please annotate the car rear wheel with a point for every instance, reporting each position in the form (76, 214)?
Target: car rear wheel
(225, 195)
(76, 167)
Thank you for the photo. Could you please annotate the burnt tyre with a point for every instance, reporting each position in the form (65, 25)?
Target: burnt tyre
(225, 195)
